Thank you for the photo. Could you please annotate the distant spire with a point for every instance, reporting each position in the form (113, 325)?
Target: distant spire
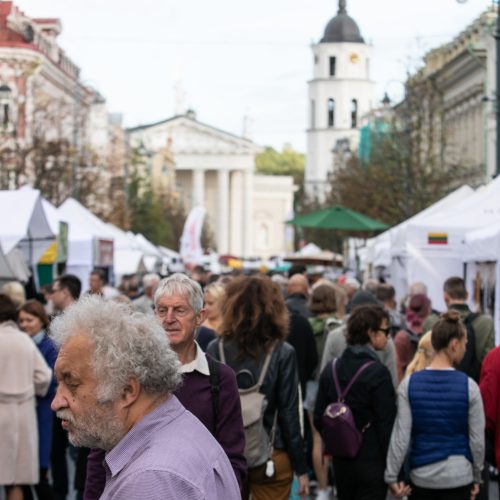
(342, 7)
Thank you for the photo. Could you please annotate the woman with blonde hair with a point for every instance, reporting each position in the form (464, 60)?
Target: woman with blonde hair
(214, 295)
(423, 356)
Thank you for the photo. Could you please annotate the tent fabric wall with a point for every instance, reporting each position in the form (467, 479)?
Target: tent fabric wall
(393, 241)
(29, 230)
(436, 263)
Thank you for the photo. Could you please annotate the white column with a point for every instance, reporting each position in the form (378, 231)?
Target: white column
(198, 187)
(248, 226)
(236, 214)
(223, 211)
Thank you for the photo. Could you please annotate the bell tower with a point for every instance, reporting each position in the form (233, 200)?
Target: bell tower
(340, 92)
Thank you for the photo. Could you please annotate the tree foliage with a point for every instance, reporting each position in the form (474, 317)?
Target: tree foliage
(159, 216)
(286, 162)
(48, 159)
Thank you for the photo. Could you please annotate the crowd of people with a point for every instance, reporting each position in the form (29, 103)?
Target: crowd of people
(245, 386)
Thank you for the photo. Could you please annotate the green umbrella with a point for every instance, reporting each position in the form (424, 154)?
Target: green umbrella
(338, 217)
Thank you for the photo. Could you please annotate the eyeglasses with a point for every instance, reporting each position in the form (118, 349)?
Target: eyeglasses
(385, 331)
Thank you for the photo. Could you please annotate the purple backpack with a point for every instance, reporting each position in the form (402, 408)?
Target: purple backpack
(341, 437)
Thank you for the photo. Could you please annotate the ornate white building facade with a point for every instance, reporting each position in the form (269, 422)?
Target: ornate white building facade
(463, 75)
(340, 93)
(42, 98)
(216, 170)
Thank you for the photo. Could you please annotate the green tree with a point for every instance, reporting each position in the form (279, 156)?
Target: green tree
(152, 214)
(286, 162)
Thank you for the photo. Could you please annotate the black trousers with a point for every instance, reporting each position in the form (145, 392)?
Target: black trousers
(360, 480)
(59, 467)
(462, 493)
(43, 489)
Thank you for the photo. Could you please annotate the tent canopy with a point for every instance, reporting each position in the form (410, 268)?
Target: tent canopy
(483, 244)
(340, 218)
(29, 230)
(393, 241)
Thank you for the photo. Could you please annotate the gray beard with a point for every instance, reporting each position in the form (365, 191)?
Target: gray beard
(100, 429)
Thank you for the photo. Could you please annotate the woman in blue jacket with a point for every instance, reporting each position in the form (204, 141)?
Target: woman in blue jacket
(34, 320)
(440, 421)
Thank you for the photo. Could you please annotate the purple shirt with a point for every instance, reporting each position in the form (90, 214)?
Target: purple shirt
(169, 454)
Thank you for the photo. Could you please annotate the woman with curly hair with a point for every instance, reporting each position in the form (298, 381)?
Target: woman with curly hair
(440, 421)
(254, 327)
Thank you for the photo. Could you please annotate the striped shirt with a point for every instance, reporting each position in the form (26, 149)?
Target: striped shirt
(169, 454)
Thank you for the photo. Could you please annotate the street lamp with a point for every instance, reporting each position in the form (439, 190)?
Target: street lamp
(496, 35)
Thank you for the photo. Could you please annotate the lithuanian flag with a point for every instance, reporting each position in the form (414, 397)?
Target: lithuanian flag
(437, 238)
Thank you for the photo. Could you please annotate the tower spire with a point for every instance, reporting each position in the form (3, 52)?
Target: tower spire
(342, 7)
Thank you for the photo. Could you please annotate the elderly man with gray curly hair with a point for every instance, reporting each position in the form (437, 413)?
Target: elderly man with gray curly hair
(116, 374)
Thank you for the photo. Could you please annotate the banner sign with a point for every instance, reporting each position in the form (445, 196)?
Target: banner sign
(190, 245)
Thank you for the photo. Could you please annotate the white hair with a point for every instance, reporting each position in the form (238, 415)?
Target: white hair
(15, 291)
(353, 283)
(418, 287)
(180, 284)
(126, 344)
(150, 280)
(371, 285)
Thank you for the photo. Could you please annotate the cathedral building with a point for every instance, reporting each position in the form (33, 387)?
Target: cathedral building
(216, 170)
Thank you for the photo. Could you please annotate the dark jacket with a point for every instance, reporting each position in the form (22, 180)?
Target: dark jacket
(484, 329)
(301, 338)
(298, 302)
(372, 400)
(281, 389)
(43, 411)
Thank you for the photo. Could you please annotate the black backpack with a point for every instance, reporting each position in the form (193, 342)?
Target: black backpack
(469, 363)
(413, 338)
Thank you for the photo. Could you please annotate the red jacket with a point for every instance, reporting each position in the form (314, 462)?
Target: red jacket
(490, 391)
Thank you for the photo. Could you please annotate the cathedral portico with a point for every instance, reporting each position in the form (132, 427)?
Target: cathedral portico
(216, 170)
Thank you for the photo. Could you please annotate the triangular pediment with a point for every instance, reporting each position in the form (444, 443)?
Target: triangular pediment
(188, 136)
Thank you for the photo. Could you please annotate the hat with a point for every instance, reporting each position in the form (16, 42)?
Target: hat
(362, 298)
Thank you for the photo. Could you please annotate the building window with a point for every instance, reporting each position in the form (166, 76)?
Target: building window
(354, 113)
(333, 63)
(313, 113)
(316, 59)
(331, 112)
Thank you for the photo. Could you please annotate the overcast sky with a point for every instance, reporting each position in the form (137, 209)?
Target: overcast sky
(237, 58)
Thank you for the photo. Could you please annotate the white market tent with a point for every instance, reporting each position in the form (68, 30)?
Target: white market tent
(152, 256)
(85, 234)
(6, 272)
(28, 228)
(129, 258)
(433, 263)
(392, 242)
(483, 246)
